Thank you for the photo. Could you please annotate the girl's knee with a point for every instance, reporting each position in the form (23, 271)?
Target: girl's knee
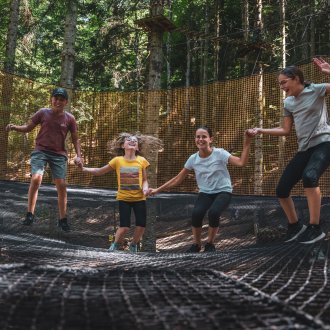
(214, 218)
(196, 222)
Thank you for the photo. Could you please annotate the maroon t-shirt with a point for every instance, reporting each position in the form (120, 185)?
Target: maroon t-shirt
(54, 129)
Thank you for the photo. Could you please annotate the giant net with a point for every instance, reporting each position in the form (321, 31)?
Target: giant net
(228, 107)
(50, 279)
(71, 281)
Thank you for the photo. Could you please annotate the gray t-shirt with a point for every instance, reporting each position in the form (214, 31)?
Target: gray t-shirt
(211, 173)
(310, 115)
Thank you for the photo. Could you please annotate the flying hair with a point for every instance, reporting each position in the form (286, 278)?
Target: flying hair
(147, 144)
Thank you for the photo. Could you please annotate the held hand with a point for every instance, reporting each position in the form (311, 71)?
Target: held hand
(322, 64)
(146, 192)
(78, 162)
(9, 127)
(252, 132)
(152, 192)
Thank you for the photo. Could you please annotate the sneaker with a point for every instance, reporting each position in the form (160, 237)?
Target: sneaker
(28, 219)
(133, 248)
(194, 248)
(294, 230)
(209, 247)
(114, 247)
(63, 224)
(312, 234)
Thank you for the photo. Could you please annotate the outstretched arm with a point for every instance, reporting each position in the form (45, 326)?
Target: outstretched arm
(171, 183)
(284, 130)
(145, 184)
(324, 67)
(241, 161)
(76, 144)
(322, 64)
(28, 127)
(98, 170)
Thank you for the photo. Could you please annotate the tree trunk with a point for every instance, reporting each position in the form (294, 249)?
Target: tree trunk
(68, 53)
(281, 139)
(312, 30)
(246, 25)
(152, 106)
(7, 87)
(204, 64)
(258, 166)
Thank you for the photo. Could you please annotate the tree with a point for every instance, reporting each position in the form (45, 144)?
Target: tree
(258, 174)
(152, 106)
(7, 87)
(68, 53)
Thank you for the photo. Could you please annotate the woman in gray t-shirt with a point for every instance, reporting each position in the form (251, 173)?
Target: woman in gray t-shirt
(213, 181)
(305, 107)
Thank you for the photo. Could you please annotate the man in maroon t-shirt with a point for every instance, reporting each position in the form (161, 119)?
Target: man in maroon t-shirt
(55, 123)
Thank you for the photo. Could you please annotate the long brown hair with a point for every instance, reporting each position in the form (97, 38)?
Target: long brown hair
(146, 144)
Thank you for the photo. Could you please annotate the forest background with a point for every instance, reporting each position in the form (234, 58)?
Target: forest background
(162, 68)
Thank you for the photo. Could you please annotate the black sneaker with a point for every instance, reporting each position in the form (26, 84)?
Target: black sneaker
(28, 219)
(63, 224)
(294, 230)
(209, 247)
(195, 248)
(312, 234)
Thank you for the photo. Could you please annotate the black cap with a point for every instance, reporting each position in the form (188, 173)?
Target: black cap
(60, 92)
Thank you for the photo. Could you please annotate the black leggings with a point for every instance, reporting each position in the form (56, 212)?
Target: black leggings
(307, 165)
(140, 212)
(215, 203)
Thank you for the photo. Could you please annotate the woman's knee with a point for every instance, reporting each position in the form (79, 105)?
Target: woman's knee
(282, 192)
(310, 179)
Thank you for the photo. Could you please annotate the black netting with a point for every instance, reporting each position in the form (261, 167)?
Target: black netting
(55, 280)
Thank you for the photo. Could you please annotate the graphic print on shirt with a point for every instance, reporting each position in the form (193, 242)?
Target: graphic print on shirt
(129, 178)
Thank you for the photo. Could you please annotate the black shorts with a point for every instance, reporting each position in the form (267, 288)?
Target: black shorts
(140, 213)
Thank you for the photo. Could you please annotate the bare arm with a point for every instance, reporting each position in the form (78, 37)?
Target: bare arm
(241, 161)
(76, 144)
(324, 67)
(172, 182)
(28, 127)
(98, 170)
(145, 184)
(284, 130)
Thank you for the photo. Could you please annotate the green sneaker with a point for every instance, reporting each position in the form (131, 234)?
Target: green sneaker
(114, 247)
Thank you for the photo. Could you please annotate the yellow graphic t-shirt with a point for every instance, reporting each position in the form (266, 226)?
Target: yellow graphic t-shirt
(129, 177)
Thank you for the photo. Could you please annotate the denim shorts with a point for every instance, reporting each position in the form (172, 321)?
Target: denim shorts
(57, 163)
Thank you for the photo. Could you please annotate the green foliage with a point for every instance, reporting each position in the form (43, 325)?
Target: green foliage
(112, 51)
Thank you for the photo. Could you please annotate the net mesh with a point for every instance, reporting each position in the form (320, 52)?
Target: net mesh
(51, 279)
(70, 281)
(228, 107)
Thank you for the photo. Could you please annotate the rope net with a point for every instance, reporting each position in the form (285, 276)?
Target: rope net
(228, 107)
(57, 280)
(71, 281)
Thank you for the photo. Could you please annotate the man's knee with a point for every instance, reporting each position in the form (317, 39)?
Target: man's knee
(36, 180)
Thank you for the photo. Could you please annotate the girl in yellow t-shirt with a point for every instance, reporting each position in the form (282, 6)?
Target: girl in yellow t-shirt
(130, 167)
